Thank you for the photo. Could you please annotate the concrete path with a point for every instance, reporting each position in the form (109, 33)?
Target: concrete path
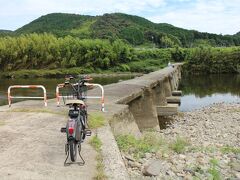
(32, 146)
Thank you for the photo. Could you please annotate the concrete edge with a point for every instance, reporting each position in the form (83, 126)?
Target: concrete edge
(114, 166)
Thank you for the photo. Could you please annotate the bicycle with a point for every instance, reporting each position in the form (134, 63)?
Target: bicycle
(76, 127)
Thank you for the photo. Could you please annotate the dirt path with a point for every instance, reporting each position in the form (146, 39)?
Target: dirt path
(32, 147)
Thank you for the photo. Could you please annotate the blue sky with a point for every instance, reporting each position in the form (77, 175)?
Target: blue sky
(214, 16)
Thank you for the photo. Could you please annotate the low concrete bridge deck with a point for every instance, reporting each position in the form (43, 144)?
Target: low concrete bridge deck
(141, 95)
(33, 148)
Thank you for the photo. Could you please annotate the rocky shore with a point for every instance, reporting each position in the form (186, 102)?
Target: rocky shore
(204, 144)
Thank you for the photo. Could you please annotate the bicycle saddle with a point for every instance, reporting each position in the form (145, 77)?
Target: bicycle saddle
(74, 101)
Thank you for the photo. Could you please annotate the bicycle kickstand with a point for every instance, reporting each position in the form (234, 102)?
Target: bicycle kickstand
(67, 153)
(83, 162)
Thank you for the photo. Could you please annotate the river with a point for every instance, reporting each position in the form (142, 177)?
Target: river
(198, 90)
(49, 84)
(203, 90)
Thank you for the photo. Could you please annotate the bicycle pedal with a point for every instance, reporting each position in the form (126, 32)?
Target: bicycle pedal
(63, 130)
(88, 132)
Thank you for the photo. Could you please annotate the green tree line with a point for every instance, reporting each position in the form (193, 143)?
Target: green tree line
(212, 60)
(199, 60)
(45, 51)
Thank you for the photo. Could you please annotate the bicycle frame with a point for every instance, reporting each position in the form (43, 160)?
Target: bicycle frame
(72, 122)
(76, 129)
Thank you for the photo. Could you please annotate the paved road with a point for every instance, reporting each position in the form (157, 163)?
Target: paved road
(32, 146)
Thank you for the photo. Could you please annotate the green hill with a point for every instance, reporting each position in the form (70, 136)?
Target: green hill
(5, 32)
(237, 34)
(56, 23)
(134, 29)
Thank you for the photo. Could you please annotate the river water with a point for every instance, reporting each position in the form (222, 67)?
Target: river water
(49, 84)
(198, 90)
(203, 90)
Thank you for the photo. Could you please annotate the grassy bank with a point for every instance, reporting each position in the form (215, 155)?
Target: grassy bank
(151, 61)
(45, 55)
(134, 68)
(150, 143)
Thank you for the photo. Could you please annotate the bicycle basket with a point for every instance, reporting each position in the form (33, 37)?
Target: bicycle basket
(79, 92)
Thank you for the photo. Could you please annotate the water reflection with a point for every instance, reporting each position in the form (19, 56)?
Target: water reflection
(203, 90)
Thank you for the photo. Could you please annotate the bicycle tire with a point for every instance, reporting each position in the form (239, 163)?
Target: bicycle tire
(73, 150)
(84, 117)
(80, 128)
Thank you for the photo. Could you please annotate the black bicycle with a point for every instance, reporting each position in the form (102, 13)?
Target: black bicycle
(76, 127)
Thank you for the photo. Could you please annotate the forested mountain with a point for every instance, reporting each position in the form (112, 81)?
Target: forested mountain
(5, 32)
(56, 23)
(134, 29)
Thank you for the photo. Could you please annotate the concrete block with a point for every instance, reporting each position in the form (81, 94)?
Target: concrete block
(177, 93)
(173, 99)
(168, 110)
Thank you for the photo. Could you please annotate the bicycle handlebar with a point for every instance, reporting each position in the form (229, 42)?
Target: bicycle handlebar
(83, 82)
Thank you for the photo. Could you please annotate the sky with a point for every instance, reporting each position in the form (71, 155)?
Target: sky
(213, 16)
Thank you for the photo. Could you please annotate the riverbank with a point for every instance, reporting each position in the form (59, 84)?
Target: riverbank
(203, 144)
(59, 73)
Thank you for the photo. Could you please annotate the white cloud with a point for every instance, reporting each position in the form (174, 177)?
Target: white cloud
(207, 16)
(27, 10)
(217, 16)
(17, 7)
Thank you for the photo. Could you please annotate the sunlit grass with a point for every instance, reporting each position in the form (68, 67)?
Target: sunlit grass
(147, 144)
(179, 145)
(96, 120)
(96, 143)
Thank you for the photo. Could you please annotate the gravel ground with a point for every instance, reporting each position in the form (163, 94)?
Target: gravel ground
(213, 150)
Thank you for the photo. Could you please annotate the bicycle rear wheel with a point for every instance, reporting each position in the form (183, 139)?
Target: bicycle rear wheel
(73, 150)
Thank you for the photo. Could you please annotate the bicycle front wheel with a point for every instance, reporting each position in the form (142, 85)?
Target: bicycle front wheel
(73, 150)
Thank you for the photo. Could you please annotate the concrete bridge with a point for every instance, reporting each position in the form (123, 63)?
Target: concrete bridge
(135, 104)
(30, 132)
(132, 106)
